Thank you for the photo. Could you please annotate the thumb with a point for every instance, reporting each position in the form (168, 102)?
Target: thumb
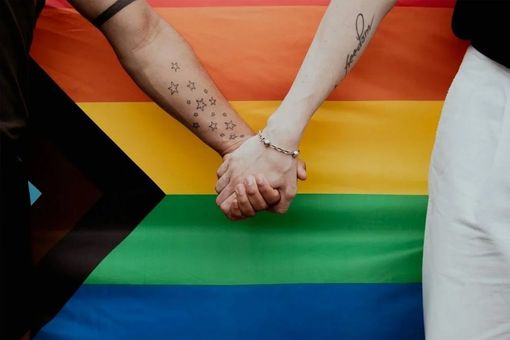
(301, 170)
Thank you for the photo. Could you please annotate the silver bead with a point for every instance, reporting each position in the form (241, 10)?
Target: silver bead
(267, 142)
(295, 154)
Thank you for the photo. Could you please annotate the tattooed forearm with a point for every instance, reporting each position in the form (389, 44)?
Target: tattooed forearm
(362, 33)
(204, 104)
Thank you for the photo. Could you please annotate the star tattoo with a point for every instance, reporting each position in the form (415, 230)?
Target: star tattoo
(195, 114)
(195, 125)
(230, 125)
(224, 114)
(206, 91)
(173, 88)
(222, 135)
(213, 126)
(232, 136)
(212, 101)
(175, 67)
(191, 85)
(213, 114)
(201, 104)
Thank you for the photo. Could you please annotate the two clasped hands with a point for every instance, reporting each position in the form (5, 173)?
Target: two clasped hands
(257, 177)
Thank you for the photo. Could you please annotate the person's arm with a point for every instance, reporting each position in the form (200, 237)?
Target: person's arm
(341, 39)
(343, 34)
(165, 67)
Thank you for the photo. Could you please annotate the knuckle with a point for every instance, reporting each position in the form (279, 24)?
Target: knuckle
(282, 211)
(224, 207)
(290, 196)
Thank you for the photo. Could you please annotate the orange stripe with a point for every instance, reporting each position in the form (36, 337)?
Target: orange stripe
(254, 53)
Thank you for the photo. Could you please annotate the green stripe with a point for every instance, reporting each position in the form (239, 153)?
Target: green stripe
(323, 239)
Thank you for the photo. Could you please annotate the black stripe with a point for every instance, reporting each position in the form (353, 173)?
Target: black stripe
(110, 12)
(127, 195)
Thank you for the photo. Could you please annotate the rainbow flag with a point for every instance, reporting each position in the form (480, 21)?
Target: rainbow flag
(127, 239)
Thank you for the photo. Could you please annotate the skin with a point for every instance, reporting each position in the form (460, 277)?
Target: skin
(342, 36)
(165, 67)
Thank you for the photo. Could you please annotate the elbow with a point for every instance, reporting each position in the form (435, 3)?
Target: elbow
(133, 32)
(146, 29)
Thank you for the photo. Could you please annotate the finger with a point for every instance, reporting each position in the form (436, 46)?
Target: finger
(225, 193)
(243, 202)
(226, 205)
(286, 199)
(256, 200)
(281, 207)
(270, 195)
(222, 182)
(301, 170)
(223, 168)
(235, 211)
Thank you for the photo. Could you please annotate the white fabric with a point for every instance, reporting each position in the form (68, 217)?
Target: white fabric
(466, 268)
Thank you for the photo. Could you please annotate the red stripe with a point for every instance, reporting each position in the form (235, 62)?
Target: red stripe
(216, 3)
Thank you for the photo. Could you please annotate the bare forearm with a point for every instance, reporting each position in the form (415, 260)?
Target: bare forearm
(343, 34)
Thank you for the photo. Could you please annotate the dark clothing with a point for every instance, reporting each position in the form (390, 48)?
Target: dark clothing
(15, 254)
(17, 22)
(15, 34)
(485, 23)
(17, 18)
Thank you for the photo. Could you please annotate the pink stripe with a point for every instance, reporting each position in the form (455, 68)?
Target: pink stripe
(217, 3)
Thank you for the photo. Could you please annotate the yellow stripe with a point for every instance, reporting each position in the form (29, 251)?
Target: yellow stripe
(375, 147)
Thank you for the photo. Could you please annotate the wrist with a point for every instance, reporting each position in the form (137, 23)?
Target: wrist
(268, 143)
(284, 132)
(230, 146)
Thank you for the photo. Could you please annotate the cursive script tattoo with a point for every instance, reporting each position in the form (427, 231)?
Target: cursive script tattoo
(362, 33)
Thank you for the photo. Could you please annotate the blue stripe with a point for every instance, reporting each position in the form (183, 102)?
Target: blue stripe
(333, 311)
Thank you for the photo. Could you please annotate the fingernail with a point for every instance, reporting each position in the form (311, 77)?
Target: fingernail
(260, 180)
(250, 181)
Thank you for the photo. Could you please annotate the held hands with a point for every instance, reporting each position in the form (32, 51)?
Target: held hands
(255, 177)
